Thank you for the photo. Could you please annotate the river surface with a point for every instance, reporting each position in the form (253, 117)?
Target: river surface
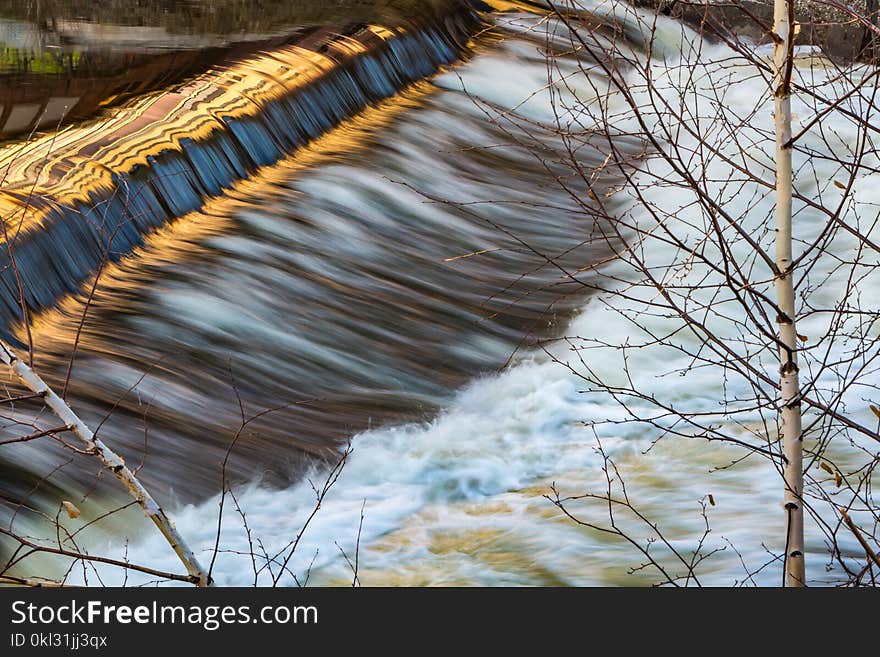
(397, 286)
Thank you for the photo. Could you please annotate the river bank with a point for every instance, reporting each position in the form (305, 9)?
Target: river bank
(837, 31)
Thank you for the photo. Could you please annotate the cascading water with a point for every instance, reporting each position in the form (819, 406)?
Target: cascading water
(74, 199)
(370, 287)
(329, 285)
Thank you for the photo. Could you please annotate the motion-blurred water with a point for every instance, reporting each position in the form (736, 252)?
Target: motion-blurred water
(356, 284)
(387, 286)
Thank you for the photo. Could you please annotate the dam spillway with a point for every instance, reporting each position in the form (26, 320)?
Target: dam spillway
(90, 192)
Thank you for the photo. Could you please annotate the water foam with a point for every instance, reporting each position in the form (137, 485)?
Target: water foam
(459, 500)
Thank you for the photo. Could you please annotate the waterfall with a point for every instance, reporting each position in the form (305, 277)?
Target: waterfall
(101, 187)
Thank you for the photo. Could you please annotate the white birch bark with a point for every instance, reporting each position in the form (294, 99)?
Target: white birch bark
(112, 461)
(792, 438)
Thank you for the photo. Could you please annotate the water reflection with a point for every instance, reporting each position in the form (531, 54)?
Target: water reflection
(330, 288)
(62, 62)
(91, 21)
(77, 197)
(326, 286)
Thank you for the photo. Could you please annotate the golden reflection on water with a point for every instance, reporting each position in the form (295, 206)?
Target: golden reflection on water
(182, 238)
(79, 162)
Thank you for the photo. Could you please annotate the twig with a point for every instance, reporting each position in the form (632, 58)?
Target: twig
(861, 539)
(111, 460)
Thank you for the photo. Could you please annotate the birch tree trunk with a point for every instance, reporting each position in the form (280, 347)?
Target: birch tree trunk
(792, 438)
(111, 460)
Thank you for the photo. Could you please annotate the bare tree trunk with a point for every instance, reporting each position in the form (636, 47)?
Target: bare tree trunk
(792, 438)
(111, 460)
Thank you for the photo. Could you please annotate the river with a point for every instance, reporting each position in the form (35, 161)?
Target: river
(386, 286)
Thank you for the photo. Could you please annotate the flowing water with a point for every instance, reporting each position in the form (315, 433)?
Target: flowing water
(382, 280)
